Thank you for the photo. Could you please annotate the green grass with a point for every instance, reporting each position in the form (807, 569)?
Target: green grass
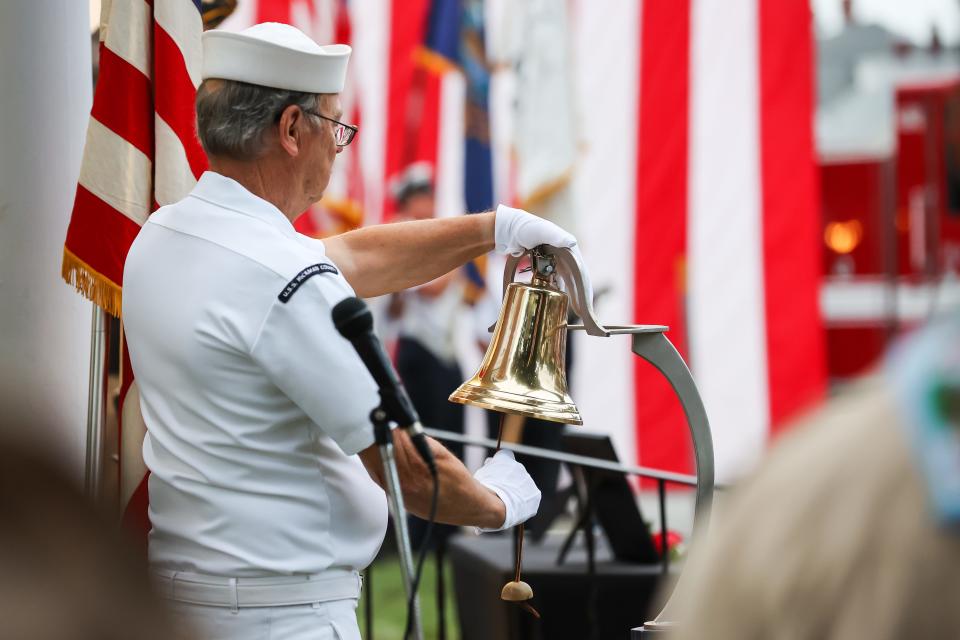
(390, 605)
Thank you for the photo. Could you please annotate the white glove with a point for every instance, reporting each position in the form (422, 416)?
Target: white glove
(515, 231)
(507, 478)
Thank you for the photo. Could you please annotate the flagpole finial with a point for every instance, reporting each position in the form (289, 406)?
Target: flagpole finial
(216, 11)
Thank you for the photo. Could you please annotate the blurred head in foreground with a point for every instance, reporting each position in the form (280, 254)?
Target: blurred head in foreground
(840, 534)
(64, 572)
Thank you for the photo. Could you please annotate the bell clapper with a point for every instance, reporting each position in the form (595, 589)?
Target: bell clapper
(516, 590)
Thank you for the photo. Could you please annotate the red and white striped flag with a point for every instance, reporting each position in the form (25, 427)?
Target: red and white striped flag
(141, 153)
(700, 209)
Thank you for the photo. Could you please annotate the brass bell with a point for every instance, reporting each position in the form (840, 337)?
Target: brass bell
(524, 371)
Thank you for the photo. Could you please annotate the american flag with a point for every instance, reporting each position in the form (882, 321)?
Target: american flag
(698, 179)
(141, 153)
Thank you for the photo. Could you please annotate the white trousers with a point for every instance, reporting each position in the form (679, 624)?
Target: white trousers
(334, 620)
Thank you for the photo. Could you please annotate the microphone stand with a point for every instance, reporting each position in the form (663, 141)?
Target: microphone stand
(384, 440)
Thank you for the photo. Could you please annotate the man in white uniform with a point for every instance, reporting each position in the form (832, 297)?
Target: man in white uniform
(263, 488)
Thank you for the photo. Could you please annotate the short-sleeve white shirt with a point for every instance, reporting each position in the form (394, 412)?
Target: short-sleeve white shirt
(254, 404)
(433, 321)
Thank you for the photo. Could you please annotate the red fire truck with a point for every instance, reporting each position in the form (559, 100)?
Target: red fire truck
(891, 227)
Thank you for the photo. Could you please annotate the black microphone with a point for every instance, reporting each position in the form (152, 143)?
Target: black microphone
(354, 321)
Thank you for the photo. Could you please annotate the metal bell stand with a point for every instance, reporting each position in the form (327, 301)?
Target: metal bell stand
(650, 343)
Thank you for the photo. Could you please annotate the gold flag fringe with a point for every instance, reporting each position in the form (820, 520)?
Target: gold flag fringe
(347, 211)
(433, 61)
(93, 285)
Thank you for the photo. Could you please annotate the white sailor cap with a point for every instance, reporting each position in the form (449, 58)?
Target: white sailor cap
(275, 55)
(417, 177)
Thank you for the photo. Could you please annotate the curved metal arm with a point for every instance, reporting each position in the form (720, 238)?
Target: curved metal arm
(571, 270)
(510, 270)
(656, 349)
(649, 343)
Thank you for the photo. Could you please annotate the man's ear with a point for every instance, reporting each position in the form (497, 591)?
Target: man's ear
(290, 129)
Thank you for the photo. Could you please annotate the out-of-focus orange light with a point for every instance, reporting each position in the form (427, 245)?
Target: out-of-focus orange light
(843, 237)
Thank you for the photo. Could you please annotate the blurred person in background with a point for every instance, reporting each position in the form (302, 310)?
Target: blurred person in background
(849, 529)
(426, 318)
(65, 572)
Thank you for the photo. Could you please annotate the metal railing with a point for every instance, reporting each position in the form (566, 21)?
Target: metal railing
(661, 477)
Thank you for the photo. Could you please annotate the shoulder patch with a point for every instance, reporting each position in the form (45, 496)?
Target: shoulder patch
(303, 276)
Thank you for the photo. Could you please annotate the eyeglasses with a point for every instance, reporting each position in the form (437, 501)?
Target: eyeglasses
(342, 133)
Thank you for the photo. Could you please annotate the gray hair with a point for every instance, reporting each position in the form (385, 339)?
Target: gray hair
(232, 116)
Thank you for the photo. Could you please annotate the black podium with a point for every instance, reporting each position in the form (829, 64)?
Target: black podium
(622, 597)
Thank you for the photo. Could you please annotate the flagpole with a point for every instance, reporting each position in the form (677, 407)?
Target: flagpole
(96, 414)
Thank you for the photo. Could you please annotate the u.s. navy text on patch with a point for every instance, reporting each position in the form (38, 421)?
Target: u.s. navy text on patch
(303, 276)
